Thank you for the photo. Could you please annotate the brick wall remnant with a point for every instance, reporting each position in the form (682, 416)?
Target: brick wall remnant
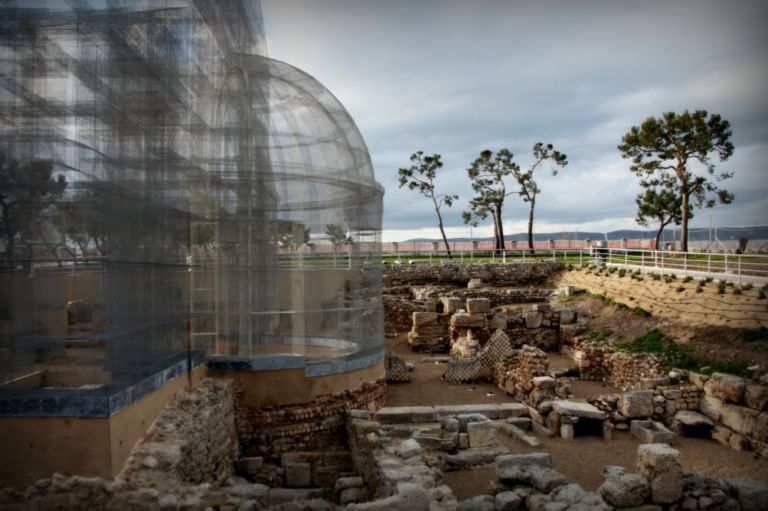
(271, 431)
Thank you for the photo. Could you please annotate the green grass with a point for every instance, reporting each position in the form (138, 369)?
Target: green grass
(597, 337)
(674, 356)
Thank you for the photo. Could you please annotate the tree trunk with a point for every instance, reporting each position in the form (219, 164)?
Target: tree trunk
(532, 204)
(499, 229)
(658, 234)
(684, 223)
(442, 232)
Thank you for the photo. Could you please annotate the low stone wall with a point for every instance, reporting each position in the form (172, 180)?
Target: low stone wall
(398, 311)
(623, 370)
(497, 275)
(739, 408)
(538, 327)
(272, 431)
(194, 439)
(629, 370)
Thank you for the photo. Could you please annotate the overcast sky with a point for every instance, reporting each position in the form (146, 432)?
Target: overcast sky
(456, 77)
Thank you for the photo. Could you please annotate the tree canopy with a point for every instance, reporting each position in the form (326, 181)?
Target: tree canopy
(487, 175)
(674, 153)
(529, 189)
(421, 176)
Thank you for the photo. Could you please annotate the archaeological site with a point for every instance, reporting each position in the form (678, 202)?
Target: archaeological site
(196, 314)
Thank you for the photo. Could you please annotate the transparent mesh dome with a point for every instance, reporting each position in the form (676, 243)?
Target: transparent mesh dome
(297, 215)
(166, 193)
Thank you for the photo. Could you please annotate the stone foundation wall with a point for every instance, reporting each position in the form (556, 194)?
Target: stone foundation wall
(739, 409)
(194, 439)
(538, 327)
(620, 369)
(629, 370)
(498, 275)
(590, 359)
(398, 311)
(272, 431)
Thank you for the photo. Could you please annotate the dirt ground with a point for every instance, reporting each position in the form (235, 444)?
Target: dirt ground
(581, 460)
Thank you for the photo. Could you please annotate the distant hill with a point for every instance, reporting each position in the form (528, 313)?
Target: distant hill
(694, 234)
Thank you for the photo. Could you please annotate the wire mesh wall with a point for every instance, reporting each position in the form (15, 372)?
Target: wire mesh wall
(160, 182)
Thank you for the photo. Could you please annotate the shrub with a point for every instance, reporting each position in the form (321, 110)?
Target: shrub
(736, 291)
(762, 293)
(754, 334)
(597, 337)
(747, 286)
(655, 276)
(680, 289)
(622, 272)
(688, 279)
(639, 311)
(721, 287)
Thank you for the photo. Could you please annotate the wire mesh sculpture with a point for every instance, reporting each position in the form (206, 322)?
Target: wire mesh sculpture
(166, 188)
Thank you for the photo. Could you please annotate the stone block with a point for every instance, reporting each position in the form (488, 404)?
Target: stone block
(350, 495)
(343, 483)
(410, 448)
(567, 316)
(756, 397)
(477, 305)
(541, 459)
(567, 432)
(498, 322)
(544, 382)
(475, 284)
(473, 457)
(742, 420)
(250, 464)
(508, 501)
(298, 475)
(465, 419)
(541, 307)
(478, 503)
(651, 432)
(636, 404)
(660, 465)
(710, 406)
(451, 304)
(481, 434)
(738, 442)
(688, 420)
(547, 479)
(623, 489)
(726, 387)
(751, 494)
(533, 319)
(523, 423)
(578, 409)
(424, 318)
(721, 434)
(466, 320)
(698, 379)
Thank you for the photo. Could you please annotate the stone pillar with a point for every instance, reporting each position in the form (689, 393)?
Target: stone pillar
(660, 465)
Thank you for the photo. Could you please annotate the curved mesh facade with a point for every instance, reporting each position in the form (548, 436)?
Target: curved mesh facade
(167, 192)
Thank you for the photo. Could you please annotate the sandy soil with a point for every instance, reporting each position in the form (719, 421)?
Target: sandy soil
(581, 460)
